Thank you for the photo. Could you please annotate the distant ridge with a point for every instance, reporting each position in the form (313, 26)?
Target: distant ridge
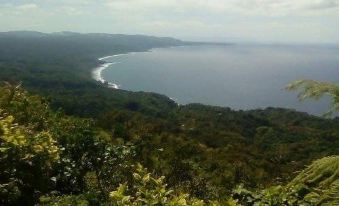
(137, 37)
(23, 33)
(27, 33)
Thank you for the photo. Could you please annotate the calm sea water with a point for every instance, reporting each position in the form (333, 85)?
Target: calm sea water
(237, 76)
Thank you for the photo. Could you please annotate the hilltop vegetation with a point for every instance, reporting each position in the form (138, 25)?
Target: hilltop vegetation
(67, 140)
(80, 162)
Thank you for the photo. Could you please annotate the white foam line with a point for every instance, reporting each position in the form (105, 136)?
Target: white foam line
(116, 55)
(97, 75)
(97, 72)
(174, 100)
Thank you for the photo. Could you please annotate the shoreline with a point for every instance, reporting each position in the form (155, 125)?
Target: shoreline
(105, 62)
(97, 71)
(97, 75)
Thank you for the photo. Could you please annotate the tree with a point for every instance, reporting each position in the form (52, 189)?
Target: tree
(315, 90)
(25, 155)
(148, 190)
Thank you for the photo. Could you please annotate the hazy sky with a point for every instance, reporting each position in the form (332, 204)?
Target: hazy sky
(250, 20)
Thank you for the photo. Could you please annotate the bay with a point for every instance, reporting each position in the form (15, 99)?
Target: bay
(240, 76)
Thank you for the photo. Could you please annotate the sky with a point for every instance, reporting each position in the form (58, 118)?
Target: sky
(306, 21)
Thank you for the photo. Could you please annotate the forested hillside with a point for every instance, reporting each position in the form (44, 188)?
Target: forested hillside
(59, 65)
(68, 140)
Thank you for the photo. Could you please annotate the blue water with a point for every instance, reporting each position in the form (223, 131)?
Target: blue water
(236, 76)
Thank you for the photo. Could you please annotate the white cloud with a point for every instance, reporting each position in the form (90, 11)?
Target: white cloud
(68, 10)
(27, 7)
(281, 20)
(325, 4)
(224, 5)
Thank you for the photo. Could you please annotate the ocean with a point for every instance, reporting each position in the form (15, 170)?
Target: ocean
(239, 76)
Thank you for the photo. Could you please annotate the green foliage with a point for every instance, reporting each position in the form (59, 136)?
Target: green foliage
(70, 200)
(314, 89)
(60, 150)
(148, 190)
(318, 184)
(25, 154)
(199, 152)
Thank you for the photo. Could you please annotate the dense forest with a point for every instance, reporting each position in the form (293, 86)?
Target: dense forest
(68, 140)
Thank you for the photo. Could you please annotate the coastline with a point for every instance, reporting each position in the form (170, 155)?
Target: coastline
(97, 75)
(97, 71)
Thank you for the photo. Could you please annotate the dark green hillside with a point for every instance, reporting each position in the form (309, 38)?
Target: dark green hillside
(236, 147)
(59, 65)
(75, 156)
